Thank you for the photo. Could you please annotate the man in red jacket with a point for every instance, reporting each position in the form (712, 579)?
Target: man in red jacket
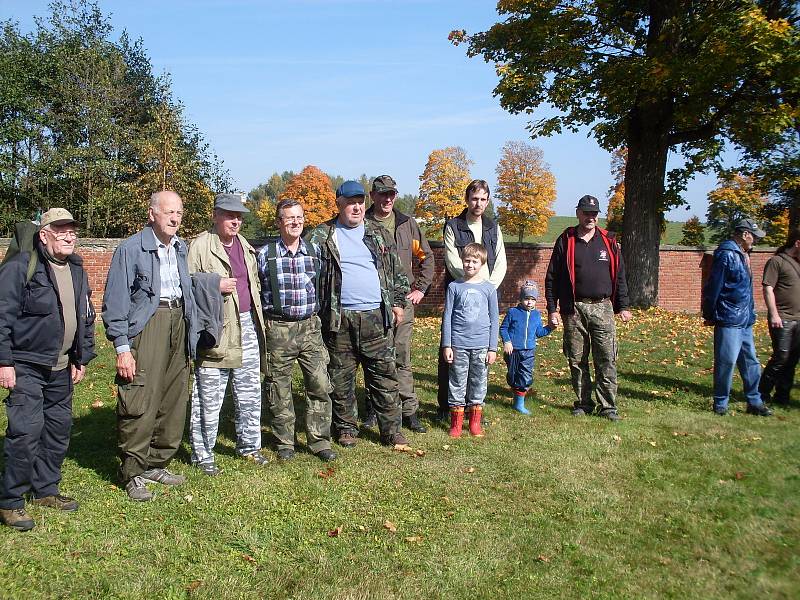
(585, 285)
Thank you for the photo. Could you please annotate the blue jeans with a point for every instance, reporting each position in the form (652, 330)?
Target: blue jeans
(734, 346)
(468, 377)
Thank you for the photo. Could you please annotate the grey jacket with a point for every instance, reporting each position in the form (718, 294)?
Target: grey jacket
(133, 288)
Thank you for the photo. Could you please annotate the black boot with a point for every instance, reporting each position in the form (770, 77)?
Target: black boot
(413, 423)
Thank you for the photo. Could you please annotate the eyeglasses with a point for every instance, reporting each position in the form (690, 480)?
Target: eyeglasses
(63, 235)
(293, 219)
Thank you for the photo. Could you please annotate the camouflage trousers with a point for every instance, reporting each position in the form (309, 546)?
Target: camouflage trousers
(592, 328)
(301, 341)
(362, 339)
(208, 393)
(405, 376)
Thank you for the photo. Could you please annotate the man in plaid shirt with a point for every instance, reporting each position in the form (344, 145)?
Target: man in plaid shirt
(288, 268)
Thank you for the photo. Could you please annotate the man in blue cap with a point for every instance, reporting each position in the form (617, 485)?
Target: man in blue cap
(363, 291)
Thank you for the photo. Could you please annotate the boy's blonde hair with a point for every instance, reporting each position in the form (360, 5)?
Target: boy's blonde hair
(474, 250)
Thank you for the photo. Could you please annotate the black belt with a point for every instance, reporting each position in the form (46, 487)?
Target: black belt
(591, 300)
(287, 319)
(173, 303)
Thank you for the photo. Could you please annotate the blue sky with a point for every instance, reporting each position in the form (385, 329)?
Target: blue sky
(351, 86)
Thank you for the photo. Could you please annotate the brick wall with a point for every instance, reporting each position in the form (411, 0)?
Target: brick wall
(681, 272)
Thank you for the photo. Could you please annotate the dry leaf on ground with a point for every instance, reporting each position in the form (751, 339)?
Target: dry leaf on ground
(336, 531)
(390, 526)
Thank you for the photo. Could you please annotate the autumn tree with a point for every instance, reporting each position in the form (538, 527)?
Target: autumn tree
(674, 76)
(311, 187)
(616, 193)
(693, 233)
(737, 197)
(442, 185)
(526, 189)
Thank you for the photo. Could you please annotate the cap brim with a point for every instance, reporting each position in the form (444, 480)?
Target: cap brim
(383, 188)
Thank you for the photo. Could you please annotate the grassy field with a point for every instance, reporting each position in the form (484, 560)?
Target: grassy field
(671, 502)
(556, 225)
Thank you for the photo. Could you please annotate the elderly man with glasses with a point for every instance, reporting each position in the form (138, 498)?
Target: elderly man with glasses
(46, 341)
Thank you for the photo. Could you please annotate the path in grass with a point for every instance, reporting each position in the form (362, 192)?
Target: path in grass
(670, 502)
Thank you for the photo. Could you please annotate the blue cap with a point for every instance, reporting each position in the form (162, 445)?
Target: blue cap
(350, 189)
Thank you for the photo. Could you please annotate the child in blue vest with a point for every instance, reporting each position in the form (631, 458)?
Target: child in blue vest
(521, 326)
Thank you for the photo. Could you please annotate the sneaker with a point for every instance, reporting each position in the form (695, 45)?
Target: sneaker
(397, 440)
(761, 410)
(17, 518)
(285, 454)
(162, 476)
(371, 421)
(210, 469)
(412, 422)
(578, 412)
(256, 458)
(326, 455)
(347, 440)
(137, 490)
(58, 501)
(610, 415)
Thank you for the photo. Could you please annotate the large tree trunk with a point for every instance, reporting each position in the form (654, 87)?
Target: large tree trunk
(644, 194)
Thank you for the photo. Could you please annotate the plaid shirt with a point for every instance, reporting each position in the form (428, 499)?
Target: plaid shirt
(296, 275)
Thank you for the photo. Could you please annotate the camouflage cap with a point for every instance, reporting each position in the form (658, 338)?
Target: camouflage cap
(384, 183)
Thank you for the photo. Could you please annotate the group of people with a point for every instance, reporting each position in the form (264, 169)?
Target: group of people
(342, 296)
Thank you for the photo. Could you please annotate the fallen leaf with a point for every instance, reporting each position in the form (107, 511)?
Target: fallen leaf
(249, 558)
(390, 526)
(616, 438)
(326, 473)
(362, 528)
(446, 447)
(543, 558)
(336, 531)
(470, 470)
(739, 475)
(402, 447)
(419, 452)
(756, 438)
(194, 585)
(653, 444)
(188, 497)
(414, 538)
(98, 404)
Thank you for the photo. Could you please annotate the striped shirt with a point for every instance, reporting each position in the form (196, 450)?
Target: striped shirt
(296, 274)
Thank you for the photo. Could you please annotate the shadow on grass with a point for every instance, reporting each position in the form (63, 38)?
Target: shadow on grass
(662, 382)
(93, 444)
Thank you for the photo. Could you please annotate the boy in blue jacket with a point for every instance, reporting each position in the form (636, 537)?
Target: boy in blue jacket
(521, 326)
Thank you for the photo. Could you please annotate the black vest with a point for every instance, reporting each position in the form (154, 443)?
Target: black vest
(463, 236)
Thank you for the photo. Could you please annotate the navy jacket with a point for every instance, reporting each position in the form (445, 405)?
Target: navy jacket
(728, 293)
(31, 325)
(521, 327)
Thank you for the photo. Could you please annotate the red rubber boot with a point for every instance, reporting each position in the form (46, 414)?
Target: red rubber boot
(475, 413)
(456, 421)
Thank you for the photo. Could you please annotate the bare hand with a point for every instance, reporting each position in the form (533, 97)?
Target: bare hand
(554, 319)
(508, 347)
(126, 366)
(491, 356)
(416, 297)
(398, 315)
(77, 373)
(227, 285)
(625, 315)
(448, 355)
(8, 377)
(775, 322)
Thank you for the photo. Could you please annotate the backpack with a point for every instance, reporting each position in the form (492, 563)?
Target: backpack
(23, 241)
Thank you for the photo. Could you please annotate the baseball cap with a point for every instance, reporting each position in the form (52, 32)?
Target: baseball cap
(751, 226)
(57, 216)
(529, 289)
(231, 202)
(384, 183)
(588, 204)
(350, 189)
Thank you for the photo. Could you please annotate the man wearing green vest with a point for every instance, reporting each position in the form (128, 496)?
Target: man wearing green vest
(288, 268)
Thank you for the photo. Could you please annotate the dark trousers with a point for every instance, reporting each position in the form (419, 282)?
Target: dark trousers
(151, 410)
(443, 384)
(39, 412)
(779, 372)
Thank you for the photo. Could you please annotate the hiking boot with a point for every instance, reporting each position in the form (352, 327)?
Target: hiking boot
(17, 518)
(398, 439)
(761, 410)
(210, 469)
(326, 455)
(58, 501)
(285, 454)
(162, 476)
(347, 440)
(370, 421)
(579, 412)
(137, 490)
(611, 415)
(257, 458)
(442, 417)
(412, 422)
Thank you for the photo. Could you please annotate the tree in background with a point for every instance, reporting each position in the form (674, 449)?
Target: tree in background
(442, 185)
(311, 187)
(657, 77)
(526, 190)
(616, 193)
(737, 197)
(693, 233)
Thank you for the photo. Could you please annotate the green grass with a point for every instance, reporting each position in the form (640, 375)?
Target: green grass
(670, 502)
(672, 235)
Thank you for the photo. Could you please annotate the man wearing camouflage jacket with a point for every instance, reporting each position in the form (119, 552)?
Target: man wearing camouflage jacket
(362, 296)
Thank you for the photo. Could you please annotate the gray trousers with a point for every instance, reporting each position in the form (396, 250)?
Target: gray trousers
(209, 391)
(469, 376)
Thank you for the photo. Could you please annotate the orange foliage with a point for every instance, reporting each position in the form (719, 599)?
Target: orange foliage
(312, 188)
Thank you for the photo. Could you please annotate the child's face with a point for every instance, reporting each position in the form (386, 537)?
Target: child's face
(472, 264)
(529, 303)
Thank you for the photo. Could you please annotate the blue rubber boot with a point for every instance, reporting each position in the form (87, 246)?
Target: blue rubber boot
(519, 404)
